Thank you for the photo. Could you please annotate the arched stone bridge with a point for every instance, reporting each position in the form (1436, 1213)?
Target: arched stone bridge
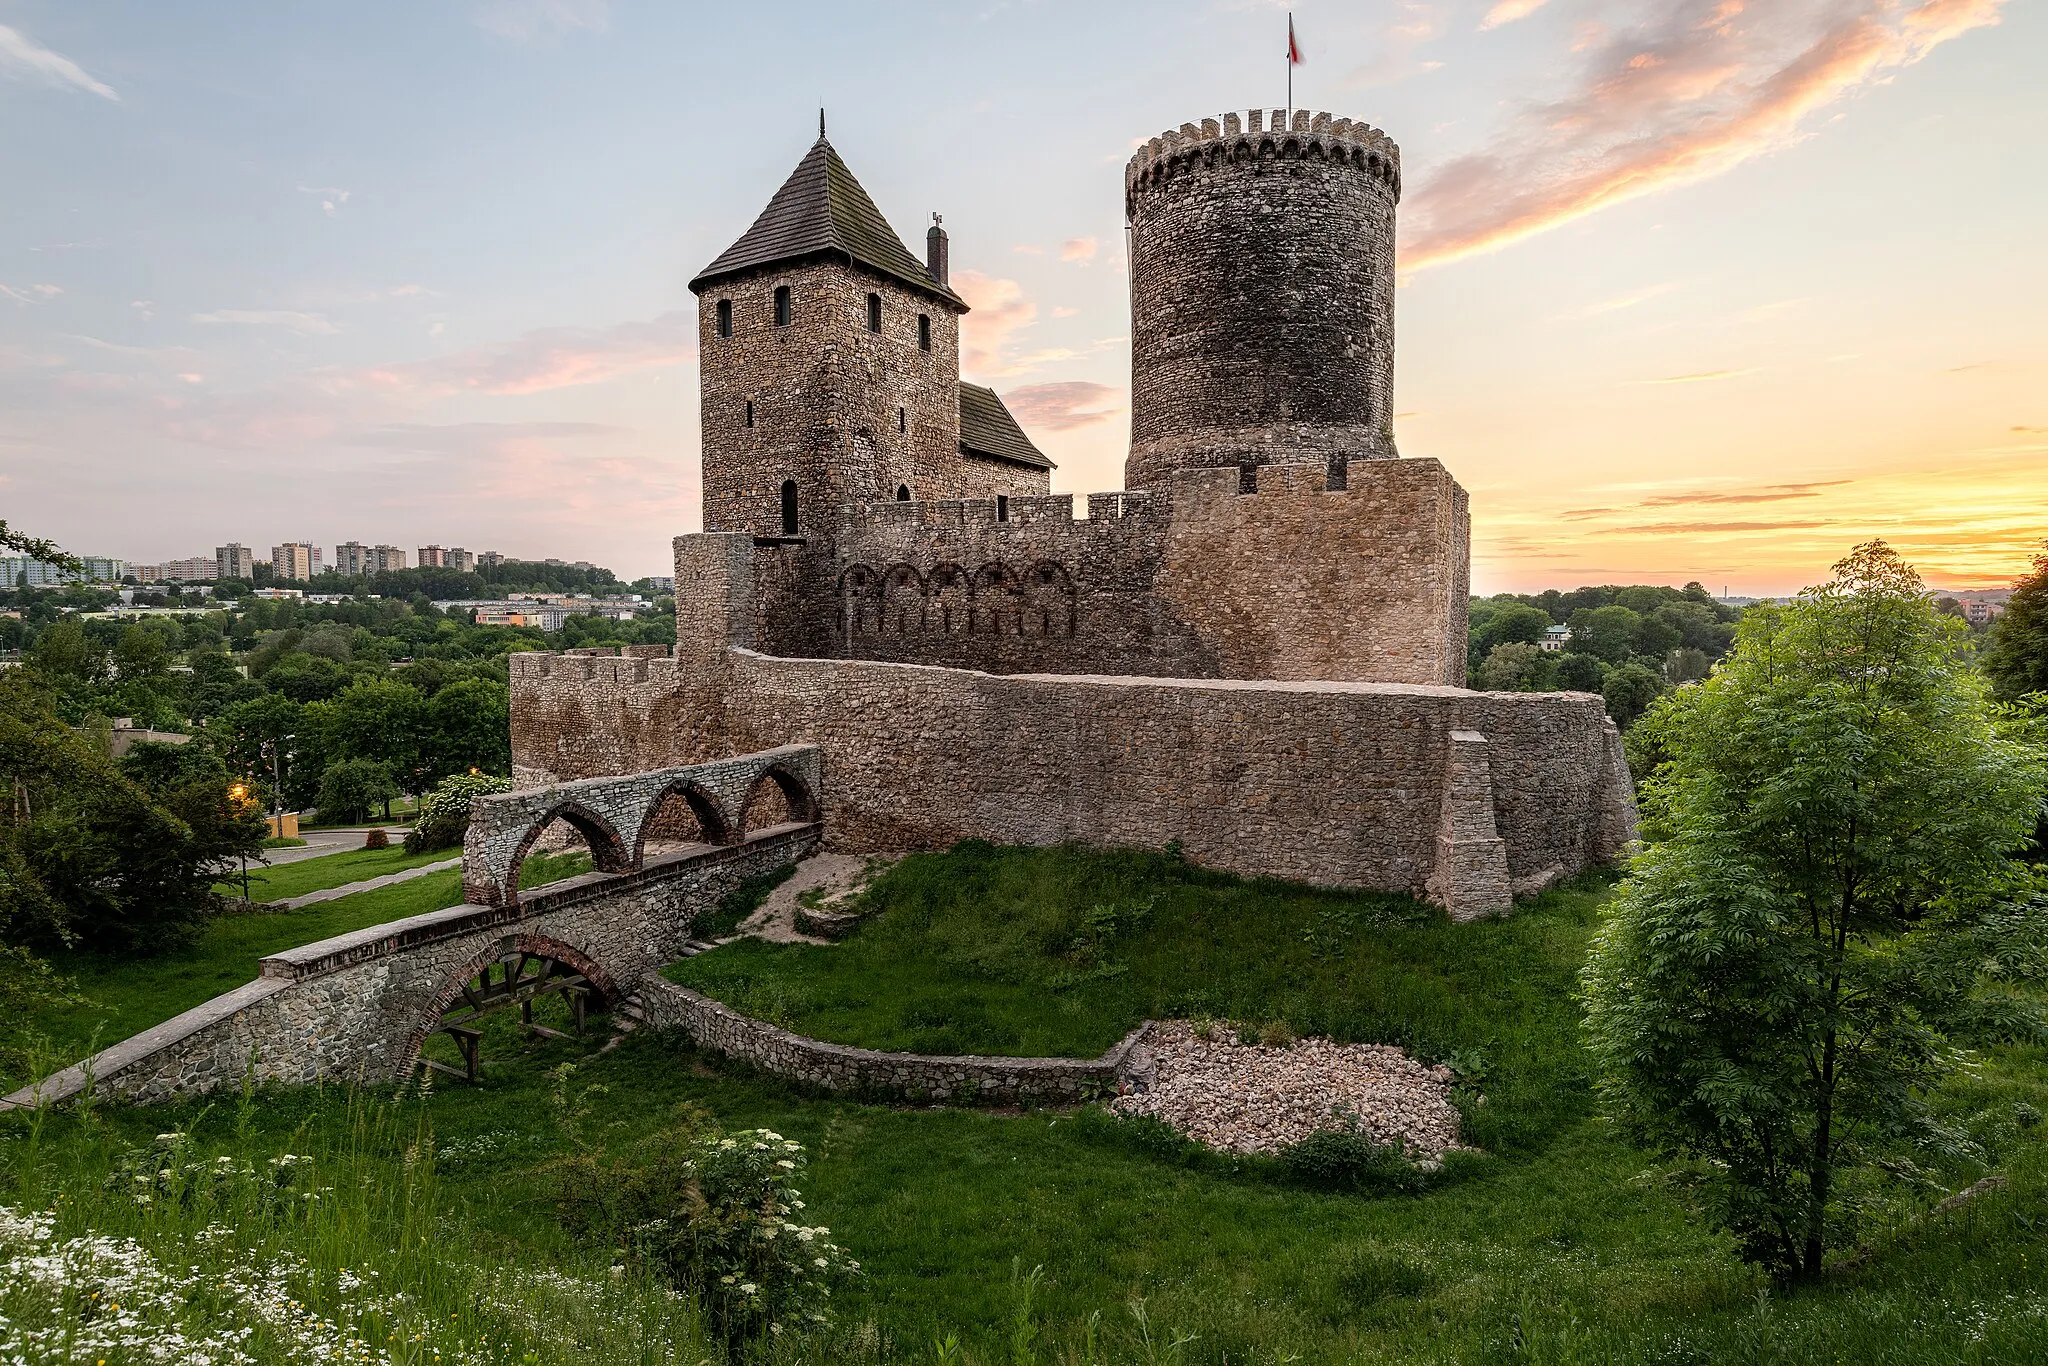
(360, 1006)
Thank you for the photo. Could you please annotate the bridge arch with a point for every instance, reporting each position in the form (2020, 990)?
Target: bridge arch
(515, 952)
(776, 780)
(609, 852)
(710, 816)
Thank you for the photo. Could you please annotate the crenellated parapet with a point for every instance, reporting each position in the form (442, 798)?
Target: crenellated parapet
(1253, 138)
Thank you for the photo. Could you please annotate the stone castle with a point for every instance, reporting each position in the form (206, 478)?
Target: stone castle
(1256, 651)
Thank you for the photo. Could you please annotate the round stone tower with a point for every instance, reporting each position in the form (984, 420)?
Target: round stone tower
(1262, 294)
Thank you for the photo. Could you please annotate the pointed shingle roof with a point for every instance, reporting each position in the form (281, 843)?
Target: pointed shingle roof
(821, 210)
(987, 428)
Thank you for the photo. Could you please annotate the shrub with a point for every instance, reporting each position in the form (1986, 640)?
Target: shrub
(376, 839)
(1276, 1034)
(1341, 1160)
(444, 813)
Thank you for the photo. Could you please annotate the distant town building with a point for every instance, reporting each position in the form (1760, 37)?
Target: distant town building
(1555, 638)
(662, 583)
(352, 558)
(384, 558)
(489, 559)
(433, 557)
(19, 571)
(292, 594)
(234, 561)
(1981, 612)
(197, 569)
(458, 558)
(295, 561)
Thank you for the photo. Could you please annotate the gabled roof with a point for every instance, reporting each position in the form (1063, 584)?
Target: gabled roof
(988, 429)
(821, 210)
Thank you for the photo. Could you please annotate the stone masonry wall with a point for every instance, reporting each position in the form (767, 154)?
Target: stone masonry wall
(836, 1067)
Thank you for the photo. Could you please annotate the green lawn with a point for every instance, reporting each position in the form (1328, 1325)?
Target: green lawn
(1560, 1243)
(288, 880)
(128, 995)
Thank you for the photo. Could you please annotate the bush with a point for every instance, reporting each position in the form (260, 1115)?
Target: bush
(352, 790)
(1629, 691)
(444, 813)
(718, 1217)
(1340, 1160)
(376, 839)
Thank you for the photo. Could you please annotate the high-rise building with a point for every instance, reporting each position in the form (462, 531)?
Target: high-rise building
(176, 571)
(386, 557)
(489, 559)
(458, 558)
(18, 571)
(294, 561)
(352, 558)
(234, 561)
(433, 557)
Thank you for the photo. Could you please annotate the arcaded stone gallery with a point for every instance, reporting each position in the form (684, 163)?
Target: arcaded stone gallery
(1255, 651)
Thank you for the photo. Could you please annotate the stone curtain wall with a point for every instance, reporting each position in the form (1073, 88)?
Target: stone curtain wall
(610, 812)
(835, 1067)
(357, 1007)
(1262, 293)
(1292, 579)
(1333, 783)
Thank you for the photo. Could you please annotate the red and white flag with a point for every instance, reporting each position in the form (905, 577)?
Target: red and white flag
(1293, 47)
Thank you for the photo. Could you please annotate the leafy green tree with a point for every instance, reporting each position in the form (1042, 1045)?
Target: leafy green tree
(1629, 691)
(1606, 632)
(469, 726)
(116, 857)
(1686, 666)
(381, 720)
(307, 678)
(352, 789)
(444, 813)
(1511, 624)
(1824, 906)
(2017, 662)
(1514, 667)
(1575, 672)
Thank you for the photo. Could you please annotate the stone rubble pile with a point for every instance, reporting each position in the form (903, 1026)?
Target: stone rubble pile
(1249, 1098)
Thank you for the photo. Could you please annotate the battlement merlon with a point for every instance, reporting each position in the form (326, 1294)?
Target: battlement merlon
(1311, 134)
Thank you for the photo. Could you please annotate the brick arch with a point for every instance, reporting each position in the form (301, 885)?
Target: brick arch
(903, 601)
(608, 850)
(860, 601)
(1049, 600)
(540, 946)
(993, 602)
(946, 600)
(803, 803)
(710, 813)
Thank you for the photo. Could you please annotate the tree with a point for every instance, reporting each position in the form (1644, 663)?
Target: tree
(1514, 667)
(1629, 691)
(352, 789)
(469, 726)
(1577, 672)
(2017, 662)
(381, 720)
(1784, 974)
(1608, 632)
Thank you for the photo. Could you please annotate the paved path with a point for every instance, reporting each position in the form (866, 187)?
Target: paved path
(292, 903)
(323, 842)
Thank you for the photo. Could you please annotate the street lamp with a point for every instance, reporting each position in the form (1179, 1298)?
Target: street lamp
(241, 795)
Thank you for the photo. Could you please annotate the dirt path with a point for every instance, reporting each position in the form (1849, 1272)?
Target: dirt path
(834, 877)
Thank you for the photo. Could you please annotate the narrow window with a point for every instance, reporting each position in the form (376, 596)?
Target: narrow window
(874, 312)
(750, 412)
(782, 305)
(725, 317)
(1002, 507)
(1248, 478)
(789, 507)
(924, 331)
(1340, 473)
(903, 493)
(902, 420)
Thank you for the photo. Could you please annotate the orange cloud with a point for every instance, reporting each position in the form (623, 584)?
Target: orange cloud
(1065, 405)
(1699, 378)
(548, 358)
(1507, 11)
(1681, 97)
(1078, 249)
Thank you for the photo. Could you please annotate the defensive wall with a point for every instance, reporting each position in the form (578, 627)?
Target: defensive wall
(1463, 796)
(1327, 570)
(359, 1006)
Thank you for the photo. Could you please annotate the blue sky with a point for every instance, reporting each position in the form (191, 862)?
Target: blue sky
(1692, 291)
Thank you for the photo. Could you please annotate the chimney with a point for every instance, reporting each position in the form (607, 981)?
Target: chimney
(937, 252)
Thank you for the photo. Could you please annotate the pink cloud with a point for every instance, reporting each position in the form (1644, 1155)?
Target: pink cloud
(549, 358)
(1078, 249)
(1507, 11)
(1680, 97)
(1064, 406)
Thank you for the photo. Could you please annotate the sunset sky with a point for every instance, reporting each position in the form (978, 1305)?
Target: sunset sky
(1693, 289)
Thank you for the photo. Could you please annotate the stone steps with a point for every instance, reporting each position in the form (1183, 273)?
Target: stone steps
(627, 1017)
(693, 947)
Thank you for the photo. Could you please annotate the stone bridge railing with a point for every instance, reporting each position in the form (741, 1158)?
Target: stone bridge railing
(612, 814)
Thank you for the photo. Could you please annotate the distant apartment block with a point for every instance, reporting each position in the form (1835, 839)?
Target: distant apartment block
(489, 559)
(464, 560)
(18, 571)
(234, 561)
(433, 557)
(295, 560)
(197, 569)
(386, 557)
(352, 558)
(1979, 612)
